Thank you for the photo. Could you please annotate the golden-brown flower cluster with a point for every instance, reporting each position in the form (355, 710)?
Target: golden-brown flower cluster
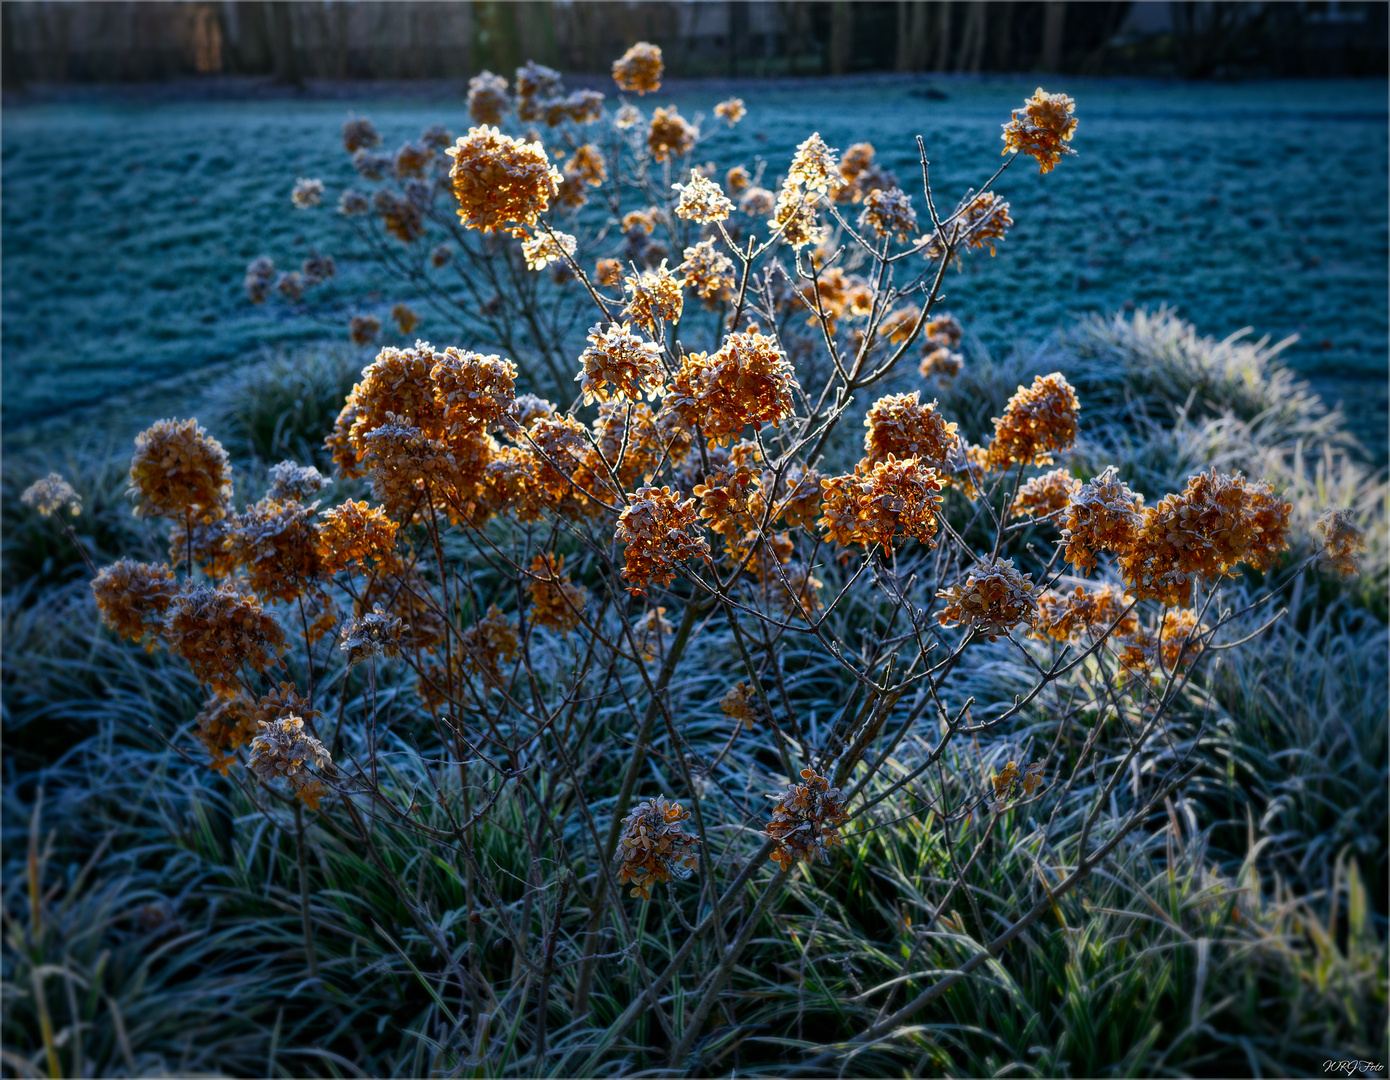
(282, 748)
(1342, 541)
(179, 471)
(545, 248)
(794, 215)
(639, 69)
(860, 174)
(487, 98)
(487, 643)
(1046, 495)
(994, 599)
(359, 133)
(556, 602)
(1217, 522)
(536, 86)
(653, 296)
(701, 200)
(1044, 129)
(294, 483)
(901, 427)
(363, 329)
(474, 390)
(260, 277)
(888, 213)
(219, 631)
(756, 202)
(651, 633)
(748, 381)
(619, 363)
(401, 216)
(404, 317)
(806, 820)
(1102, 515)
(52, 495)
(741, 703)
(1170, 647)
(133, 597)
(654, 846)
(278, 546)
(226, 723)
(353, 204)
(1011, 782)
(1094, 611)
(708, 271)
(608, 272)
(670, 135)
(355, 536)
(731, 110)
(814, 165)
(981, 222)
(502, 184)
(878, 503)
(1037, 420)
(587, 165)
(659, 531)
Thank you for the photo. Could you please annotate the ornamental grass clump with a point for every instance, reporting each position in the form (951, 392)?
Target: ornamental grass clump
(955, 688)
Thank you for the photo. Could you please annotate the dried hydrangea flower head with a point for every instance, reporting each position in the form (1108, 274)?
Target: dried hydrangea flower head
(226, 723)
(205, 542)
(220, 631)
(359, 133)
(1102, 515)
(670, 136)
(659, 531)
(397, 383)
(860, 174)
(547, 247)
(474, 390)
(725, 501)
(627, 116)
(489, 642)
(1342, 541)
(608, 272)
(132, 598)
(1065, 617)
(741, 703)
(619, 363)
(1038, 419)
(1169, 648)
(317, 269)
(902, 427)
(1011, 782)
(290, 286)
(369, 166)
(814, 166)
(757, 202)
(1045, 495)
(639, 69)
(404, 317)
(748, 381)
(377, 633)
(983, 221)
(502, 184)
(536, 87)
(731, 110)
(487, 98)
(588, 165)
(278, 546)
(1217, 522)
(405, 594)
(888, 213)
(993, 600)
(654, 846)
(291, 482)
(259, 279)
(881, 503)
(355, 536)
(806, 820)
(363, 329)
(179, 471)
(1043, 130)
(793, 216)
(708, 271)
(556, 602)
(653, 297)
(307, 193)
(409, 470)
(738, 180)
(941, 361)
(283, 749)
(702, 200)
(400, 216)
(52, 495)
(353, 203)
(582, 107)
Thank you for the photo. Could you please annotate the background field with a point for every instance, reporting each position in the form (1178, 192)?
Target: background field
(127, 226)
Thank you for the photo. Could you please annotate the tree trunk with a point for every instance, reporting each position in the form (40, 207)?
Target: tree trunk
(943, 38)
(841, 36)
(1054, 23)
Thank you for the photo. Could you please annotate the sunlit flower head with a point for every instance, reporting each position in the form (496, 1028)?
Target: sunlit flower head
(1042, 128)
(502, 184)
(639, 69)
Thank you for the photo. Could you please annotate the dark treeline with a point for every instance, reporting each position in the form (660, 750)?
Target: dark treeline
(309, 39)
